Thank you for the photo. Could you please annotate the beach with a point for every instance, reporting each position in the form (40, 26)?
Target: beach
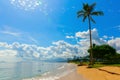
(84, 73)
(103, 73)
(73, 76)
(67, 73)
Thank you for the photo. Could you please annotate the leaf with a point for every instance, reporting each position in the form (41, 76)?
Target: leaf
(84, 18)
(92, 6)
(80, 15)
(85, 7)
(97, 13)
(92, 19)
(81, 11)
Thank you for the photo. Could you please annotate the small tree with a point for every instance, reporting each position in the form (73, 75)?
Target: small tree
(103, 52)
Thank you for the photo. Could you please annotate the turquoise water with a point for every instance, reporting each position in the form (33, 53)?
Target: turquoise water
(24, 70)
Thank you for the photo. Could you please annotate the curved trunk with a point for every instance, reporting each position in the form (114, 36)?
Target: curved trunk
(91, 54)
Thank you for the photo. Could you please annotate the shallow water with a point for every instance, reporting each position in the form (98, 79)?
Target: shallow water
(24, 70)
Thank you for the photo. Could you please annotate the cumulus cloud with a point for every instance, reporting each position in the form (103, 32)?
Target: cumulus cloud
(82, 39)
(115, 43)
(7, 53)
(95, 37)
(59, 49)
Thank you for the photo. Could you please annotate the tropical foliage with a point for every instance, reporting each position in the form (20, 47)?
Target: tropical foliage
(105, 53)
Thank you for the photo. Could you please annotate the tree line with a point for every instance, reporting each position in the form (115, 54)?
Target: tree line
(105, 53)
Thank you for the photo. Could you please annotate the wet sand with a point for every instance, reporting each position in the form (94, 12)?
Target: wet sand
(73, 76)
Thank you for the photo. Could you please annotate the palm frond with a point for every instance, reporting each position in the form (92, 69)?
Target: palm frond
(92, 19)
(80, 15)
(79, 12)
(92, 6)
(85, 6)
(84, 18)
(88, 11)
(97, 13)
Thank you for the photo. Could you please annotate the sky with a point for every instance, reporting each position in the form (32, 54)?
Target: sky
(50, 29)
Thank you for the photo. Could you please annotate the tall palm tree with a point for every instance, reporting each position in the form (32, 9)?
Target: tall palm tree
(87, 12)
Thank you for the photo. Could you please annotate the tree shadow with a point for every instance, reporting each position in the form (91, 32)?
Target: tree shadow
(109, 72)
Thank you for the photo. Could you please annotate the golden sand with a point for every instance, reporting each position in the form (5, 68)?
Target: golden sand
(104, 73)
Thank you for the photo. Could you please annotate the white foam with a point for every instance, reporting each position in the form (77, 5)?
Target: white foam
(50, 78)
(46, 73)
(55, 76)
(61, 67)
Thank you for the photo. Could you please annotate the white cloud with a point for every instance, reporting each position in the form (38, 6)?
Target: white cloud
(117, 27)
(85, 34)
(60, 49)
(105, 37)
(26, 4)
(69, 37)
(9, 31)
(95, 37)
(83, 40)
(115, 43)
(8, 53)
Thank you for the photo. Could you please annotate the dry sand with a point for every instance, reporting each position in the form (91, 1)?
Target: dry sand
(104, 73)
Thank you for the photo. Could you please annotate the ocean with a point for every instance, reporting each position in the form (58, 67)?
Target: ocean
(32, 70)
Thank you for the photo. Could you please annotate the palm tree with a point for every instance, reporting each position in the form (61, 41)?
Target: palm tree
(87, 12)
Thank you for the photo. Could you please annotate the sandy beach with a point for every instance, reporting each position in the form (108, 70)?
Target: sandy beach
(103, 73)
(84, 73)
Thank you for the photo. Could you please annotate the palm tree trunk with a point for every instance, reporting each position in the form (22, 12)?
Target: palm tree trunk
(91, 54)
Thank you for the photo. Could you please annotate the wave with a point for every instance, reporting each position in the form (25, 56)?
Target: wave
(62, 67)
(57, 74)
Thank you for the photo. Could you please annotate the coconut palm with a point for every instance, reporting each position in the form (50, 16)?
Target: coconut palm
(87, 12)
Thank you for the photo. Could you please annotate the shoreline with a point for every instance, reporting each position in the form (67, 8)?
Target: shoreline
(72, 75)
(84, 73)
(69, 74)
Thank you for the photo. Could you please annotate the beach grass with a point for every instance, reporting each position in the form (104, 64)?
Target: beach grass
(96, 64)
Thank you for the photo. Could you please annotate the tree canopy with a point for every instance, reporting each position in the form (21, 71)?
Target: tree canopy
(103, 52)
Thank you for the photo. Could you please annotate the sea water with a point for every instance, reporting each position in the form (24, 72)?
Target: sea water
(30, 70)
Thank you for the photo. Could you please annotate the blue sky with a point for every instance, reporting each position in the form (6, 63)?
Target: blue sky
(43, 22)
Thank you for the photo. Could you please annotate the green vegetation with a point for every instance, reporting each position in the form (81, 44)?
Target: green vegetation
(87, 12)
(103, 55)
(98, 65)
